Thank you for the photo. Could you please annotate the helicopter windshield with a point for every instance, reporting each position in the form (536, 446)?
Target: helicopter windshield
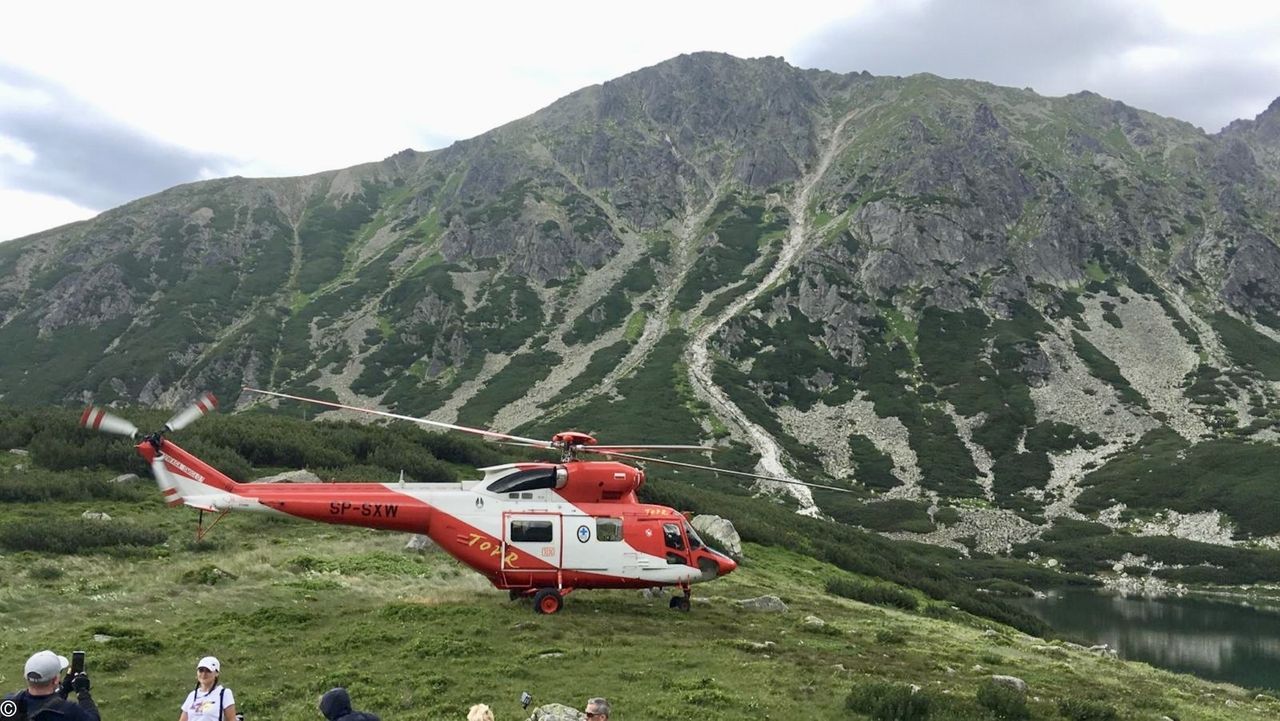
(527, 480)
(694, 542)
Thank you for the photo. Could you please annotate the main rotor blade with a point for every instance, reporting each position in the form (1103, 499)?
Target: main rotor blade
(627, 449)
(96, 419)
(183, 418)
(744, 474)
(491, 435)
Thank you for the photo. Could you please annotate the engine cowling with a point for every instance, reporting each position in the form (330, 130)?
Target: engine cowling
(601, 482)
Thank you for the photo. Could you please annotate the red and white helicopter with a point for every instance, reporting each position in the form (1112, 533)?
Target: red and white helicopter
(535, 529)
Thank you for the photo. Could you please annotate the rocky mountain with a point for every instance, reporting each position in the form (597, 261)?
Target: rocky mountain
(985, 311)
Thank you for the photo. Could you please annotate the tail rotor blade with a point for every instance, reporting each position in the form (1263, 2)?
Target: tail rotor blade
(97, 419)
(183, 418)
(713, 469)
(165, 481)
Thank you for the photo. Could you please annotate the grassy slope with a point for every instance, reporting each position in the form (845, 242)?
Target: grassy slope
(420, 636)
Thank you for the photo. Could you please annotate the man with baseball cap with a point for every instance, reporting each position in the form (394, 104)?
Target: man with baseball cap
(44, 698)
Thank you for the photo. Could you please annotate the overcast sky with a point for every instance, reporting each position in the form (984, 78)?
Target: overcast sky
(105, 102)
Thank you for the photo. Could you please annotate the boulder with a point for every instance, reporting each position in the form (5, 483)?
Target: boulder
(420, 544)
(95, 516)
(291, 477)
(1012, 682)
(126, 478)
(720, 533)
(764, 604)
(1103, 649)
(19, 451)
(556, 712)
(813, 622)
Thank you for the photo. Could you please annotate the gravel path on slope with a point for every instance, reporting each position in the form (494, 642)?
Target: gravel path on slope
(699, 357)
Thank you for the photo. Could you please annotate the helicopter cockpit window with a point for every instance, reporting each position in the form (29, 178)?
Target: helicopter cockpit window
(671, 534)
(675, 544)
(531, 531)
(608, 529)
(530, 480)
(694, 542)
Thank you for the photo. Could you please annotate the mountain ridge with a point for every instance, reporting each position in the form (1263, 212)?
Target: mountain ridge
(942, 293)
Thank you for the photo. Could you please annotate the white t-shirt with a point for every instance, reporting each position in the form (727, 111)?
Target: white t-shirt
(201, 706)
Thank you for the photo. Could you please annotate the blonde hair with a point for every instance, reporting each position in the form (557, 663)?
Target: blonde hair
(480, 712)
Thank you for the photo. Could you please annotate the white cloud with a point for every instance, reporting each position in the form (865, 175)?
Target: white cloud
(16, 151)
(290, 88)
(23, 213)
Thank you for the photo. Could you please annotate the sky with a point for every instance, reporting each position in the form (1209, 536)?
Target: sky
(103, 103)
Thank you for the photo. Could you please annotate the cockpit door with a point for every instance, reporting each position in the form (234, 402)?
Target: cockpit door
(677, 550)
(533, 534)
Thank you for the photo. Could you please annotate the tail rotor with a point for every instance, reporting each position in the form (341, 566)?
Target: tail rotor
(185, 417)
(97, 419)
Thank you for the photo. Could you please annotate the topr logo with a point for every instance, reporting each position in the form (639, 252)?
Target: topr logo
(584, 534)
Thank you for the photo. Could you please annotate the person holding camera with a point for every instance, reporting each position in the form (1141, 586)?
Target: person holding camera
(45, 698)
(209, 700)
(335, 704)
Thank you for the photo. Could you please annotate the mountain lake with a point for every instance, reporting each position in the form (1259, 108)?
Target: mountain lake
(1214, 639)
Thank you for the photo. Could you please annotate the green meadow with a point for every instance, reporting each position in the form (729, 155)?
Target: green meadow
(294, 608)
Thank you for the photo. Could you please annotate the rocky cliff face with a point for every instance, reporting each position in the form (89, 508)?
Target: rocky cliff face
(962, 301)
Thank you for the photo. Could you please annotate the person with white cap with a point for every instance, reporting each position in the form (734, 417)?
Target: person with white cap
(210, 700)
(43, 700)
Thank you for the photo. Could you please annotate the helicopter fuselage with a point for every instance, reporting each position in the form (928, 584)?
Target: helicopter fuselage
(525, 527)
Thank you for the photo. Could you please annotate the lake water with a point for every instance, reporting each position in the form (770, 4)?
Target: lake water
(1217, 640)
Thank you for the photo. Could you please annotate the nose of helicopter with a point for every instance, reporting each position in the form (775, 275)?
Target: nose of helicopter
(714, 564)
(727, 565)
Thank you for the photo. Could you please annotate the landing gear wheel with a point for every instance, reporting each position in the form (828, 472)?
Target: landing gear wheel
(548, 601)
(680, 603)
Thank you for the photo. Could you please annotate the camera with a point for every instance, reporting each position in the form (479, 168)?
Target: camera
(526, 698)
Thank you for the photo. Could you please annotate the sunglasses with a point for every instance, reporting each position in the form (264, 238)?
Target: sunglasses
(590, 714)
(202, 669)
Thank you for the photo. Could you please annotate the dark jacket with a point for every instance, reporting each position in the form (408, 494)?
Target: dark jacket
(54, 707)
(336, 706)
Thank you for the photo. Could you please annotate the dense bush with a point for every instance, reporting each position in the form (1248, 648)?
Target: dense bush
(879, 594)
(886, 701)
(75, 535)
(39, 488)
(233, 445)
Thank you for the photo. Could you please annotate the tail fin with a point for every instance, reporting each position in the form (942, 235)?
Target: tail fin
(183, 478)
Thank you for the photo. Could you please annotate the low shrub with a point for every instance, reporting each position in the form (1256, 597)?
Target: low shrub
(45, 572)
(1002, 587)
(207, 575)
(1004, 701)
(890, 636)
(886, 701)
(1078, 709)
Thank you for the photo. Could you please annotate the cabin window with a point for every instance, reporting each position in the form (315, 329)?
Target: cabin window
(531, 531)
(530, 480)
(608, 529)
